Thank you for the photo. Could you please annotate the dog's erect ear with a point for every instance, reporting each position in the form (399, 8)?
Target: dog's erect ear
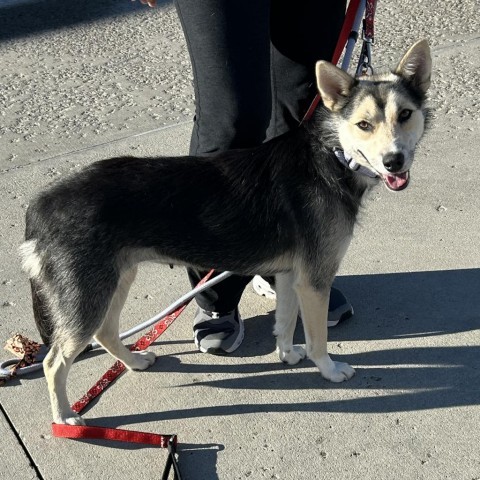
(416, 65)
(333, 84)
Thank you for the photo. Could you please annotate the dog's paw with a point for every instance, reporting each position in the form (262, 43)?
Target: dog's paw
(69, 418)
(334, 371)
(142, 360)
(293, 355)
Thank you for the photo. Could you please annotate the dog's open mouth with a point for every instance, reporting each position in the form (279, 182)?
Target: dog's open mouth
(396, 182)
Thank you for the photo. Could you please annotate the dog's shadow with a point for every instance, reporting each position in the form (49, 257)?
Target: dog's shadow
(189, 455)
(410, 305)
(403, 306)
(391, 306)
(397, 306)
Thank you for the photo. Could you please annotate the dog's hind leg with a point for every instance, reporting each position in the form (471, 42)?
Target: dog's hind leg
(64, 348)
(56, 365)
(69, 321)
(108, 333)
(286, 319)
(314, 308)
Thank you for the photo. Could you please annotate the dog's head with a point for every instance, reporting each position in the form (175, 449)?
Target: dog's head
(380, 119)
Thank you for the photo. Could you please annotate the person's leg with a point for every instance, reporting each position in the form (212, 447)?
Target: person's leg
(300, 36)
(229, 47)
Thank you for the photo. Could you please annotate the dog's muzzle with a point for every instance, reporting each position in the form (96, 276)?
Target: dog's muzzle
(396, 179)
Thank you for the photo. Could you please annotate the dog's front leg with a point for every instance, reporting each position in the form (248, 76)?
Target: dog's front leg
(286, 316)
(314, 308)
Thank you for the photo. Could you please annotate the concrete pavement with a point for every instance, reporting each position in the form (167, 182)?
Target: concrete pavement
(98, 79)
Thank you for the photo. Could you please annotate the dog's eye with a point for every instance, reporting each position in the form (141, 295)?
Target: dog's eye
(404, 115)
(365, 126)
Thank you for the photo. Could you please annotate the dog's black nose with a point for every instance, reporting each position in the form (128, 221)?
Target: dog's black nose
(394, 161)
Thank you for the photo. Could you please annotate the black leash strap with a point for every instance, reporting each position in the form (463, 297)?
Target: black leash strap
(172, 462)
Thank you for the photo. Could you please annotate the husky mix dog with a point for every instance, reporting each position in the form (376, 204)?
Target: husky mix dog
(285, 208)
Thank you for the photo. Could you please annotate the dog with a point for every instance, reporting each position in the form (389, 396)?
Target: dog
(286, 208)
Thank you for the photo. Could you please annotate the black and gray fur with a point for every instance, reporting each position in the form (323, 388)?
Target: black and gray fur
(287, 207)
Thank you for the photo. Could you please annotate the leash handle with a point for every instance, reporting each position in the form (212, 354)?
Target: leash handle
(120, 435)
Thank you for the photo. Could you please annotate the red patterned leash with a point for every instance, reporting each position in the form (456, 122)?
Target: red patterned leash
(118, 367)
(369, 30)
(117, 434)
(365, 62)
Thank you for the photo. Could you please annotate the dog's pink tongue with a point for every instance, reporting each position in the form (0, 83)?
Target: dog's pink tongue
(396, 182)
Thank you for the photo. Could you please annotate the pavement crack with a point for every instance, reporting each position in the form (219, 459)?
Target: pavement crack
(92, 147)
(21, 443)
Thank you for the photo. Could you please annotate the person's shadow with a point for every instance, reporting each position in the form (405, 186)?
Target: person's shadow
(20, 18)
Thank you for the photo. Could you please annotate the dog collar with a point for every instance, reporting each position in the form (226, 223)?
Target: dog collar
(352, 165)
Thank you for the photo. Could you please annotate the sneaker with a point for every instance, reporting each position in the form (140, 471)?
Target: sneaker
(339, 308)
(264, 288)
(218, 333)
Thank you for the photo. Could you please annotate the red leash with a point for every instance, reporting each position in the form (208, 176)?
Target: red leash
(341, 42)
(369, 19)
(117, 434)
(113, 434)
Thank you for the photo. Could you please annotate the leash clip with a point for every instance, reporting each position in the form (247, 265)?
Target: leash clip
(365, 62)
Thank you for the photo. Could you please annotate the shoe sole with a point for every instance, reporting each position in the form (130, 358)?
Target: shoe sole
(262, 288)
(344, 316)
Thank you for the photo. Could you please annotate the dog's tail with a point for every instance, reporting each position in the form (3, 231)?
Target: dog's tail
(32, 264)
